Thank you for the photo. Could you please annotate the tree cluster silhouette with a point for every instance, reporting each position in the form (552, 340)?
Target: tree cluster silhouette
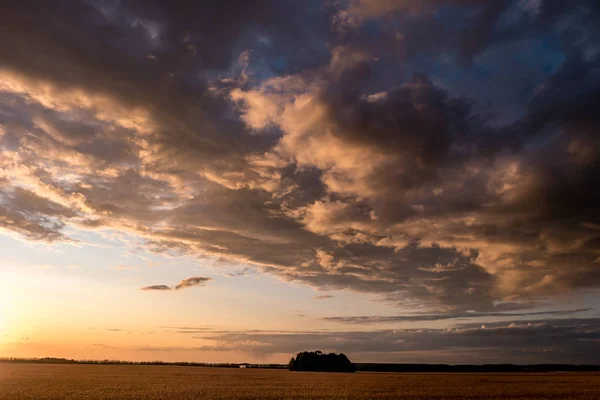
(317, 361)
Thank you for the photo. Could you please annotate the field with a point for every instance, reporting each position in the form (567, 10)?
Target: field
(40, 382)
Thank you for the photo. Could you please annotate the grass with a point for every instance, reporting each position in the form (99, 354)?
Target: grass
(70, 382)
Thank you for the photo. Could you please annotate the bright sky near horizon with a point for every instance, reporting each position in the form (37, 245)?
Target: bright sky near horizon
(241, 180)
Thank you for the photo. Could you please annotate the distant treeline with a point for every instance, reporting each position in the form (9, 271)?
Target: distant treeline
(365, 367)
(374, 367)
(52, 360)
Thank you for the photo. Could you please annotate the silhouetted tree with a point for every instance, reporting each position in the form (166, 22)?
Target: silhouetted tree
(317, 361)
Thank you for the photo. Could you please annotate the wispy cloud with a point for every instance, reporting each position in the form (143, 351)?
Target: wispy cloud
(186, 283)
(156, 287)
(193, 281)
(362, 320)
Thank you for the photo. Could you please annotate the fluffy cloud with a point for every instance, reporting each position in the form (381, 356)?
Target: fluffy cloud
(345, 148)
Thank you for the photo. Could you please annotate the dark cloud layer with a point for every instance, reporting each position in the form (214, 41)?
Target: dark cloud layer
(384, 147)
(524, 342)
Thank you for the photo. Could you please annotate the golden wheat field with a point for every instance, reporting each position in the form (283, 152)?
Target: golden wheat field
(39, 382)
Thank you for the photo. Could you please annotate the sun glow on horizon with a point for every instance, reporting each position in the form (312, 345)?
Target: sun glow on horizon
(5, 310)
(8, 309)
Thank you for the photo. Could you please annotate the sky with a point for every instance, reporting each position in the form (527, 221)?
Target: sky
(238, 181)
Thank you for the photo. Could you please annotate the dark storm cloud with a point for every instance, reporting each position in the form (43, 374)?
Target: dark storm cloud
(417, 118)
(439, 176)
(464, 29)
(332, 144)
(114, 39)
(104, 48)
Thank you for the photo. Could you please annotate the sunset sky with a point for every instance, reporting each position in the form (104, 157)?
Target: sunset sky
(240, 180)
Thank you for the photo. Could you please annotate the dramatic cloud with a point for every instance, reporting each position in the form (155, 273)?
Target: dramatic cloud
(186, 283)
(443, 155)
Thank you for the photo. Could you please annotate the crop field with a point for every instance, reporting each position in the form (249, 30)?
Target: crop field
(40, 382)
